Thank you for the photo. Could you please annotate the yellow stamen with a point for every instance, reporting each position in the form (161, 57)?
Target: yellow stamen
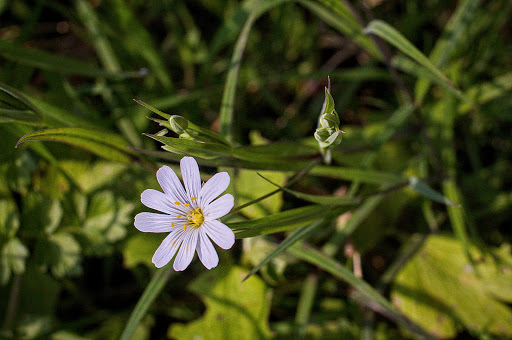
(172, 224)
(184, 227)
(186, 205)
(196, 217)
(178, 216)
(177, 203)
(193, 198)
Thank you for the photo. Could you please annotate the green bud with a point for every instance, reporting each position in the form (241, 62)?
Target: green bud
(321, 135)
(330, 120)
(178, 124)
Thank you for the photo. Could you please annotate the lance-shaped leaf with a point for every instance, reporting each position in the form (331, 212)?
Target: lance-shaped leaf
(103, 144)
(395, 38)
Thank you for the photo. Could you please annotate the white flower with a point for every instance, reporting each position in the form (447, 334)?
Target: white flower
(190, 216)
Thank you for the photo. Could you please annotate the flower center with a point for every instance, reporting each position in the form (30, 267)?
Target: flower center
(196, 217)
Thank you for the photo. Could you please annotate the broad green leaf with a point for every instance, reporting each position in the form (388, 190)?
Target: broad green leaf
(395, 38)
(13, 256)
(140, 249)
(103, 144)
(368, 293)
(282, 221)
(440, 289)
(61, 253)
(423, 189)
(250, 186)
(9, 221)
(152, 290)
(106, 221)
(234, 309)
(91, 176)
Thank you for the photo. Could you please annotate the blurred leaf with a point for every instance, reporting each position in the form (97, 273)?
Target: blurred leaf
(485, 92)
(231, 306)
(9, 221)
(454, 31)
(338, 15)
(91, 176)
(395, 38)
(106, 221)
(103, 144)
(140, 249)
(60, 253)
(250, 186)
(369, 294)
(13, 256)
(440, 289)
(423, 189)
(51, 62)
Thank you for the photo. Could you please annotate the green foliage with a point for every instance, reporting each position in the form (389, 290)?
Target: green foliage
(231, 306)
(421, 90)
(442, 290)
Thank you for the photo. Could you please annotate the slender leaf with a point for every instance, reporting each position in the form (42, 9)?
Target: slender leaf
(453, 33)
(287, 220)
(353, 174)
(104, 144)
(381, 305)
(395, 38)
(423, 189)
(297, 235)
(61, 64)
(152, 290)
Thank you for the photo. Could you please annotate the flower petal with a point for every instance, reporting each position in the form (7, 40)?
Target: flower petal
(187, 250)
(168, 248)
(218, 208)
(154, 223)
(191, 176)
(157, 200)
(206, 251)
(220, 233)
(213, 188)
(171, 184)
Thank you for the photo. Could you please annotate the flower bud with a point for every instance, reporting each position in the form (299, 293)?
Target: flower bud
(178, 124)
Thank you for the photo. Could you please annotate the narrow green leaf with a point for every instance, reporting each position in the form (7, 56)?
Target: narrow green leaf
(453, 33)
(228, 97)
(395, 38)
(353, 174)
(104, 144)
(337, 15)
(51, 62)
(282, 221)
(318, 199)
(297, 235)
(372, 297)
(423, 189)
(152, 290)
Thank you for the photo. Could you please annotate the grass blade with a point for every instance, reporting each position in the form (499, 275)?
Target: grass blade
(152, 290)
(395, 38)
(371, 296)
(103, 144)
